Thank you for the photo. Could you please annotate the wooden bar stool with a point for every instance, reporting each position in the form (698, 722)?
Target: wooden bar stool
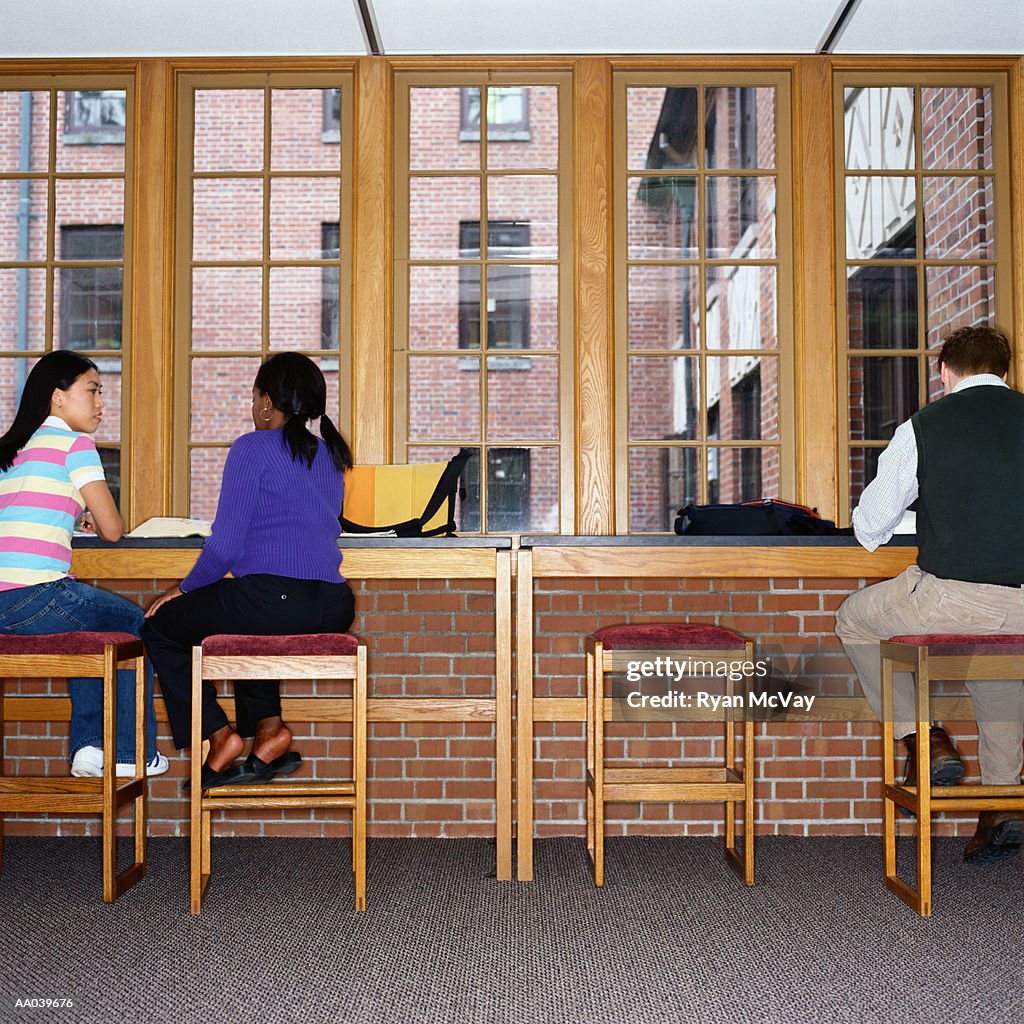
(321, 656)
(937, 656)
(611, 650)
(66, 655)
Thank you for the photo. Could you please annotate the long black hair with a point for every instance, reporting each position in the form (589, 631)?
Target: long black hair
(294, 383)
(57, 369)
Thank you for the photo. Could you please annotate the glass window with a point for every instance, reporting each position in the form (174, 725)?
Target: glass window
(701, 340)
(269, 267)
(95, 117)
(480, 288)
(64, 201)
(919, 183)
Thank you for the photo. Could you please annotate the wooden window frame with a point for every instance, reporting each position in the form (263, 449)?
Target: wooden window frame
(461, 78)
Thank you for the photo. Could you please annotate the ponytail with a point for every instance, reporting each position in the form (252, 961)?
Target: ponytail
(336, 444)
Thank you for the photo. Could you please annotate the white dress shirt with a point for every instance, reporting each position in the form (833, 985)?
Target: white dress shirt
(894, 488)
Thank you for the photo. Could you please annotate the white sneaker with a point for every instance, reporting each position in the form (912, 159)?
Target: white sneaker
(88, 764)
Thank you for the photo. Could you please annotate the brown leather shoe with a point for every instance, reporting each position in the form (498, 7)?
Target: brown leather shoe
(1000, 835)
(947, 768)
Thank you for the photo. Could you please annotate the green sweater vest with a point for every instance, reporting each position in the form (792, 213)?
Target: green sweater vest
(970, 474)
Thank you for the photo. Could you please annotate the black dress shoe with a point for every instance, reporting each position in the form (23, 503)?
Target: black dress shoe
(1000, 835)
(241, 774)
(288, 762)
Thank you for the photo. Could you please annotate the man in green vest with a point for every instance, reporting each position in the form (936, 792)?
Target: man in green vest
(961, 459)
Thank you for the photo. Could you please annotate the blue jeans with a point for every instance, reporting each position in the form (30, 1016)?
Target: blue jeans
(67, 606)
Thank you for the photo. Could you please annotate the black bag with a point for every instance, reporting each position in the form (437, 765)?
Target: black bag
(766, 517)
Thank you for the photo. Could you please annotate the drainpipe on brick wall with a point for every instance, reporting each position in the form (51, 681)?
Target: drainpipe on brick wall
(23, 216)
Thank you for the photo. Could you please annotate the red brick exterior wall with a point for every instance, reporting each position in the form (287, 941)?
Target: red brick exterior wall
(437, 779)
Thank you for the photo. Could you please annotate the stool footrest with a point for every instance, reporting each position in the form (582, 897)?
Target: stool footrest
(695, 792)
(682, 773)
(239, 802)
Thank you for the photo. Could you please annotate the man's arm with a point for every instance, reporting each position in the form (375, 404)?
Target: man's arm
(891, 493)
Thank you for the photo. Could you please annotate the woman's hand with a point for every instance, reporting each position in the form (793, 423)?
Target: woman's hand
(171, 594)
(85, 523)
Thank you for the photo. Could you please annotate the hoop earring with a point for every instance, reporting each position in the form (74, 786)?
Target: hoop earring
(266, 415)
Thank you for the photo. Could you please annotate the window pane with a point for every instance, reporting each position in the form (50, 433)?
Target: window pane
(740, 218)
(662, 218)
(110, 459)
(880, 215)
(532, 140)
(13, 372)
(522, 490)
(296, 308)
(883, 393)
(881, 307)
(734, 390)
(863, 469)
(437, 208)
(523, 200)
(742, 474)
(228, 130)
(956, 127)
(739, 127)
(522, 398)
(958, 297)
(661, 482)
(958, 218)
(663, 311)
(24, 238)
(879, 126)
(221, 398)
(467, 494)
(663, 398)
(299, 207)
(34, 128)
(91, 130)
(522, 307)
(22, 309)
(435, 139)
(441, 300)
(227, 307)
(296, 130)
(110, 381)
(741, 310)
(444, 398)
(87, 308)
(661, 126)
(206, 472)
(86, 202)
(227, 219)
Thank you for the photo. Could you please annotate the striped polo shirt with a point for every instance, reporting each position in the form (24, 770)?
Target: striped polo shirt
(40, 499)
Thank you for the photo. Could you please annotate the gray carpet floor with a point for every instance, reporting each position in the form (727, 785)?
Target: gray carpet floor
(674, 936)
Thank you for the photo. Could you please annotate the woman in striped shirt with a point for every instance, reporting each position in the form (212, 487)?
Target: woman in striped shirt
(50, 472)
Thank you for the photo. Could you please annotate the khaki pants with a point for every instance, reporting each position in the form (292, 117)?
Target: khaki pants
(917, 602)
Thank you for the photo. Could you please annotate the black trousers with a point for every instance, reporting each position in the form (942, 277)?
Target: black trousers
(259, 605)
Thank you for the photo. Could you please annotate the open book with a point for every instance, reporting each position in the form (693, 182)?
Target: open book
(169, 526)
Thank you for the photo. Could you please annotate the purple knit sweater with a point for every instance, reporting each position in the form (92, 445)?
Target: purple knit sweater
(275, 515)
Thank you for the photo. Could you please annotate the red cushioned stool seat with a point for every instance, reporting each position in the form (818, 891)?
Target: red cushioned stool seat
(81, 655)
(939, 656)
(964, 643)
(615, 649)
(325, 657)
(63, 643)
(324, 644)
(668, 636)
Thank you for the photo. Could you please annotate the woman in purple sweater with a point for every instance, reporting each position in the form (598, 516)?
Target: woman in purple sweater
(276, 531)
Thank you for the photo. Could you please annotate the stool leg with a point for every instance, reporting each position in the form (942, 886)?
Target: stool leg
(196, 821)
(109, 817)
(599, 765)
(888, 774)
(140, 763)
(923, 821)
(749, 777)
(359, 779)
(730, 765)
(589, 770)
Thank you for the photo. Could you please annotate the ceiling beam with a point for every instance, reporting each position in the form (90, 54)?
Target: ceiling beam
(837, 26)
(368, 21)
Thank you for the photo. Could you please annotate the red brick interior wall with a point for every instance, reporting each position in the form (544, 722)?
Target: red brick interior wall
(437, 779)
